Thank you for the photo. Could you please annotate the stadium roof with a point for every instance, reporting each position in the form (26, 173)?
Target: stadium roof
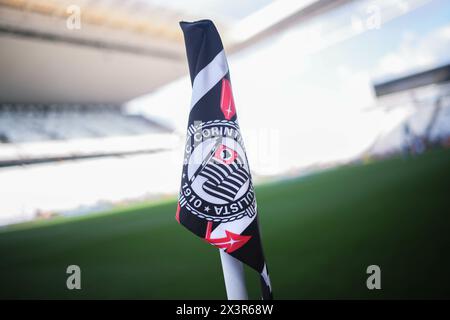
(436, 75)
(123, 49)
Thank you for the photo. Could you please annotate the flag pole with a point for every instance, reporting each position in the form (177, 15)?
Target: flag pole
(233, 274)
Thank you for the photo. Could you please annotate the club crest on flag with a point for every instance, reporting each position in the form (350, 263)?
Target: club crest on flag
(216, 181)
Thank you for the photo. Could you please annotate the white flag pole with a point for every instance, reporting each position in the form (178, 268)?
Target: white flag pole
(233, 274)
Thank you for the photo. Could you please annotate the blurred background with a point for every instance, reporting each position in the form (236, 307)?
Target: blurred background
(344, 107)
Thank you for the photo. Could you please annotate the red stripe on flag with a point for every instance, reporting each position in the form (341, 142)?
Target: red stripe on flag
(227, 100)
(208, 230)
(177, 215)
(231, 242)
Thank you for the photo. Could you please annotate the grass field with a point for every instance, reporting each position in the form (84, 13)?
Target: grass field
(320, 234)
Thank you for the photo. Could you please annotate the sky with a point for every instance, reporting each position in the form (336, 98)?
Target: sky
(303, 96)
(227, 11)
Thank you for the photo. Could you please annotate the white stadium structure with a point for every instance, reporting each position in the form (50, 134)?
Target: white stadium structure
(71, 141)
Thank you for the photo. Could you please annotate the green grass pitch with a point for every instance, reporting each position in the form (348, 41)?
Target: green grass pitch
(320, 233)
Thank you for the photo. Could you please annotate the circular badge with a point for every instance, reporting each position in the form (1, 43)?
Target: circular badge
(216, 181)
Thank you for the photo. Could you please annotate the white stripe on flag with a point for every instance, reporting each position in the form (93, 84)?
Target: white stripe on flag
(239, 227)
(208, 77)
(266, 278)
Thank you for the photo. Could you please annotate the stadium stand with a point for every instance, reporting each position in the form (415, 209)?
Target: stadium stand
(424, 99)
(28, 123)
(36, 133)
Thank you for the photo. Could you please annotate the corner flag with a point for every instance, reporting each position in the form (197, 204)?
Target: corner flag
(217, 199)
